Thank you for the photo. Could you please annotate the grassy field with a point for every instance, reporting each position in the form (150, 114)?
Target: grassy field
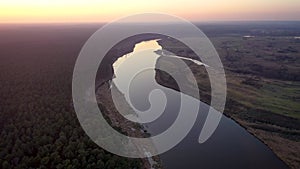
(281, 98)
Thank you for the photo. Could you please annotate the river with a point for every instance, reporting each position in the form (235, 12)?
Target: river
(231, 146)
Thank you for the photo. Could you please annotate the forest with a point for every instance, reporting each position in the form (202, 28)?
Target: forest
(39, 128)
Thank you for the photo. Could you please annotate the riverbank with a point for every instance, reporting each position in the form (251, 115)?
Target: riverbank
(119, 123)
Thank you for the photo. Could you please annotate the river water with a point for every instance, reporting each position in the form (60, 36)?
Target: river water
(231, 146)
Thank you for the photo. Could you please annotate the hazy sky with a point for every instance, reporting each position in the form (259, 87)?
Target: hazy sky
(106, 10)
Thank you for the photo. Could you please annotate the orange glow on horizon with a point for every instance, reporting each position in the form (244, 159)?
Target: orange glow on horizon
(25, 11)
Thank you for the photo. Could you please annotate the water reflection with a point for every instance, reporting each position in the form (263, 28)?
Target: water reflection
(231, 146)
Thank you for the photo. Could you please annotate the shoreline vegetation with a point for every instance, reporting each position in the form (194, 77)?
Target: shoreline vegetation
(119, 123)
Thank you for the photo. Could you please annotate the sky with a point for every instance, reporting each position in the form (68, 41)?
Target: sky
(32, 11)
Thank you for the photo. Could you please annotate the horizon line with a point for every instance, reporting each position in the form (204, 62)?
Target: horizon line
(193, 21)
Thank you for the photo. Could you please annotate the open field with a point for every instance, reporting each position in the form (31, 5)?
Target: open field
(263, 86)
